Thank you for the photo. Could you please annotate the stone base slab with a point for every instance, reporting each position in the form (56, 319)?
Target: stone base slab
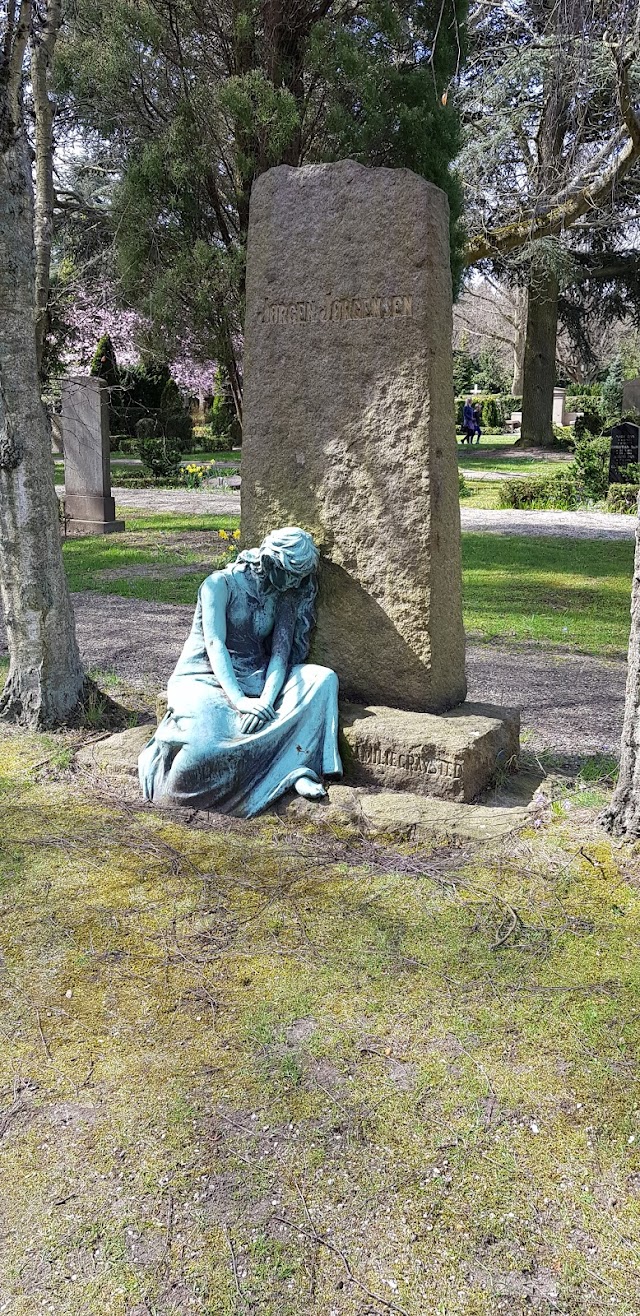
(91, 514)
(94, 527)
(451, 756)
(405, 816)
(402, 815)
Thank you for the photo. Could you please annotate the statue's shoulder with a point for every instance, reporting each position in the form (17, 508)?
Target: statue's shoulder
(214, 584)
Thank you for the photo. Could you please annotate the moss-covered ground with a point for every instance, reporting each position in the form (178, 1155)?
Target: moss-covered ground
(252, 1069)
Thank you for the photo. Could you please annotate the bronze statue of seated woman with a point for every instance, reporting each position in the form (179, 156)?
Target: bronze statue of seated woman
(248, 717)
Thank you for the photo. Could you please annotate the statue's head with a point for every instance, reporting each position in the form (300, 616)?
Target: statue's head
(288, 557)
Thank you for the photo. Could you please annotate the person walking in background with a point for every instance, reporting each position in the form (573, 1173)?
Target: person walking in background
(468, 422)
(477, 418)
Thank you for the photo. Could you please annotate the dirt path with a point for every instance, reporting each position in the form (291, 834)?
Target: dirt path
(570, 703)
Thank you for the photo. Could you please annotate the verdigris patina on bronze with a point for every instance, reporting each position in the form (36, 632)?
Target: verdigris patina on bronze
(248, 718)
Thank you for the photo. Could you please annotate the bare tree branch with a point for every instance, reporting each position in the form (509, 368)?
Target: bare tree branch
(580, 198)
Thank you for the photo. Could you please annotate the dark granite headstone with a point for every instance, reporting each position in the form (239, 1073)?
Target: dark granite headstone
(625, 450)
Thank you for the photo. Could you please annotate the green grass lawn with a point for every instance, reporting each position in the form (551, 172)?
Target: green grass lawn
(490, 457)
(152, 547)
(261, 1069)
(555, 591)
(573, 593)
(484, 494)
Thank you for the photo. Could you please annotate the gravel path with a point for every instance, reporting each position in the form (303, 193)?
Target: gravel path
(190, 502)
(567, 525)
(571, 525)
(570, 703)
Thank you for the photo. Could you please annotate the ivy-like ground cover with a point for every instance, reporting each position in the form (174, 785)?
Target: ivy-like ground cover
(253, 1068)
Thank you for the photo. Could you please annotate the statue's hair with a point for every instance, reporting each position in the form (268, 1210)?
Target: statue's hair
(296, 552)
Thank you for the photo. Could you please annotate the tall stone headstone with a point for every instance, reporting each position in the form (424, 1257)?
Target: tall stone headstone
(631, 395)
(349, 422)
(89, 507)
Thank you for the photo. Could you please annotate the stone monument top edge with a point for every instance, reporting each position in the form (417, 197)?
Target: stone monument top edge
(330, 169)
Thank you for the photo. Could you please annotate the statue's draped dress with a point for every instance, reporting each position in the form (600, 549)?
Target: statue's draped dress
(198, 756)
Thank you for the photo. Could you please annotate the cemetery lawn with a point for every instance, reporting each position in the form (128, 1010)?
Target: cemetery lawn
(571, 592)
(258, 1069)
(483, 459)
(481, 493)
(520, 589)
(161, 558)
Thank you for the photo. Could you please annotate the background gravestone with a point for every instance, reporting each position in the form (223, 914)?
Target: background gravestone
(631, 395)
(625, 450)
(89, 507)
(348, 418)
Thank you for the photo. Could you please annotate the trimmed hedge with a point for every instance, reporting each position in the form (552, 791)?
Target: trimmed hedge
(540, 492)
(622, 497)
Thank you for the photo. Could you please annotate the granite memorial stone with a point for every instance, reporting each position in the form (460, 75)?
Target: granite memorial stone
(625, 451)
(348, 419)
(89, 507)
(631, 395)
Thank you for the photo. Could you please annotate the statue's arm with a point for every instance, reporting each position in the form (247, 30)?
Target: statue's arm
(281, 643)
(214, 596)
(214, 624)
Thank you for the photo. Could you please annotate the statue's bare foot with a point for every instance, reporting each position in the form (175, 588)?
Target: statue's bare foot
(310, 790)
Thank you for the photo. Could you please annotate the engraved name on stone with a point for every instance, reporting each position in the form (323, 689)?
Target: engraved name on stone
(375, 754)
(336, 310)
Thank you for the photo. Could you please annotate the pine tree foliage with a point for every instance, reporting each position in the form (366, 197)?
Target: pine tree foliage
(193, 99)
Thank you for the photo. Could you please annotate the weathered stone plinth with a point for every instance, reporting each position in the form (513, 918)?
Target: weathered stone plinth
(397, 813)
(449, 756)
(91, 515)
(454, 756)
(348, 418)
(88, 506)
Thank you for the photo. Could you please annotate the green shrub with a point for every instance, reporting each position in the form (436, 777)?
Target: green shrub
(491, 416)
(622, 497)
(612, 390)
(103, 361)
(159, 452)
(630, 474)
(590, 422)
(221, 416)
(204, 440)
(563, 437)
(540, 492)
(463, 488)
(580, 391)
(590, 467)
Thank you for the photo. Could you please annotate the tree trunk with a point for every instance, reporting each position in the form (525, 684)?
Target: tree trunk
(622, 817)
(519, 340)
(45, 674)
(540, 360)
(41, 54)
